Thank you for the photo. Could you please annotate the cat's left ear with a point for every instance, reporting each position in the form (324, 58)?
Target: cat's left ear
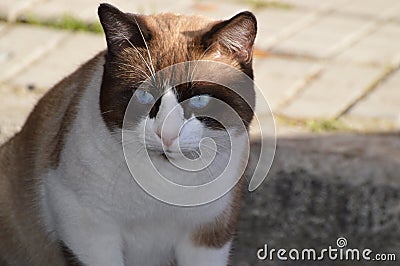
(233, 37)
(122, 29)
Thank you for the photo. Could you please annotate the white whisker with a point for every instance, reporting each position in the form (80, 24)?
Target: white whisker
(211, 149)
(204, 164)
(106, 112)
(201, 58)
(134, 67)
(141, 56)
(147, 48)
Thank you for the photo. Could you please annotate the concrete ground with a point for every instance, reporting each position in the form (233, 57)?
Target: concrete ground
(331, 65)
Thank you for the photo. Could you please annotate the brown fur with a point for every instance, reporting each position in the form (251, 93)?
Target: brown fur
(171, 39)
(36, 148)
(222, 230)
(23, 159)
(182, 43)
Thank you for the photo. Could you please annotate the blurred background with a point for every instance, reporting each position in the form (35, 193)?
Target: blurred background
(330, 72)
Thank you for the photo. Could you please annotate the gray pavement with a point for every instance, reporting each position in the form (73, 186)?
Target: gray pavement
(314, 60)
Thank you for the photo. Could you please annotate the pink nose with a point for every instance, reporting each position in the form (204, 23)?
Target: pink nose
(166, 138)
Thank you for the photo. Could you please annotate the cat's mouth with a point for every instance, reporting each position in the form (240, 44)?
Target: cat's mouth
(170, 155)
(174, 155)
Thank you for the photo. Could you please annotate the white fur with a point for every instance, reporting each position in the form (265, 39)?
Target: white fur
(169, 119)
(92, 203)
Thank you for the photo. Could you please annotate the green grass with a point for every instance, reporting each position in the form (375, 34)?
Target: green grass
(258, 4)
(315, 125)
(325, 125)
(66, 22)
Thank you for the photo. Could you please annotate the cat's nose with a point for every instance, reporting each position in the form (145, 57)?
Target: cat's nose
(166, 138)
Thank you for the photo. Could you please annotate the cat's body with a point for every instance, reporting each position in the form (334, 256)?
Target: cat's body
(64, 178)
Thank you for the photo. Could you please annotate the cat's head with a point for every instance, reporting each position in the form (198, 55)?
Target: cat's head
(167, 107)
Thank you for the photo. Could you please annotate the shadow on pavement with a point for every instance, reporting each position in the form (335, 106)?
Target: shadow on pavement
(320, 188)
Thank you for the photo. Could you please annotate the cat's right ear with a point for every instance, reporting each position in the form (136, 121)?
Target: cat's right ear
(122, 29)
(233, 37)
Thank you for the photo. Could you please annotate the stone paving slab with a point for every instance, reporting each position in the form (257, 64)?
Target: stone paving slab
(310, 4)
(278, 24)
(376, 48)
(330, 94)
(87, 10)
(366, 8)
(396, 17)
(383, 102)
(320, 38)
(61, 61)
(215, 10)
(10, 9)
(53, 9)
(22, 45)
(280, 78)
(16, 104)
(2, 27)
(152, 6)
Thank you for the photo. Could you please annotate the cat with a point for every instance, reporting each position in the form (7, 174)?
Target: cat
(67, 195)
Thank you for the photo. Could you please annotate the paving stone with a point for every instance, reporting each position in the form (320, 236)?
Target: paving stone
(280, 78)
(153, 6)
(9, 9)
(367, 8)
(2, 26)
(55, 9)
(393, 14)
(277, 24)
(218, 10)
(396, 17)
(87, 10)
(322, 37)
(336, 88)
(61, 61)
(383, 102)
(14, 109)
(381, 47)
(21, 45)
(311, 4)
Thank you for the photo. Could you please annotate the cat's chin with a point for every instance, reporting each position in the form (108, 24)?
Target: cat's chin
(185, 155)
(173, 155)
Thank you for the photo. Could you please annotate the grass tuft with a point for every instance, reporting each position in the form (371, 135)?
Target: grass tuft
(66, 22)
(325, 125)
(315, 125)
(258, 4)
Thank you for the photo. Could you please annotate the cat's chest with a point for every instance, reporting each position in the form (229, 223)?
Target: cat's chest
(93, 175)
(107, 185)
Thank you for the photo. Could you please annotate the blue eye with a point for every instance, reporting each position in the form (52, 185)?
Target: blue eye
(199, 101)
(144, 97)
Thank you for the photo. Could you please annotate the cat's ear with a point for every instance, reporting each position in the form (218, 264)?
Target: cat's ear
(122, 29)
(233, 37)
